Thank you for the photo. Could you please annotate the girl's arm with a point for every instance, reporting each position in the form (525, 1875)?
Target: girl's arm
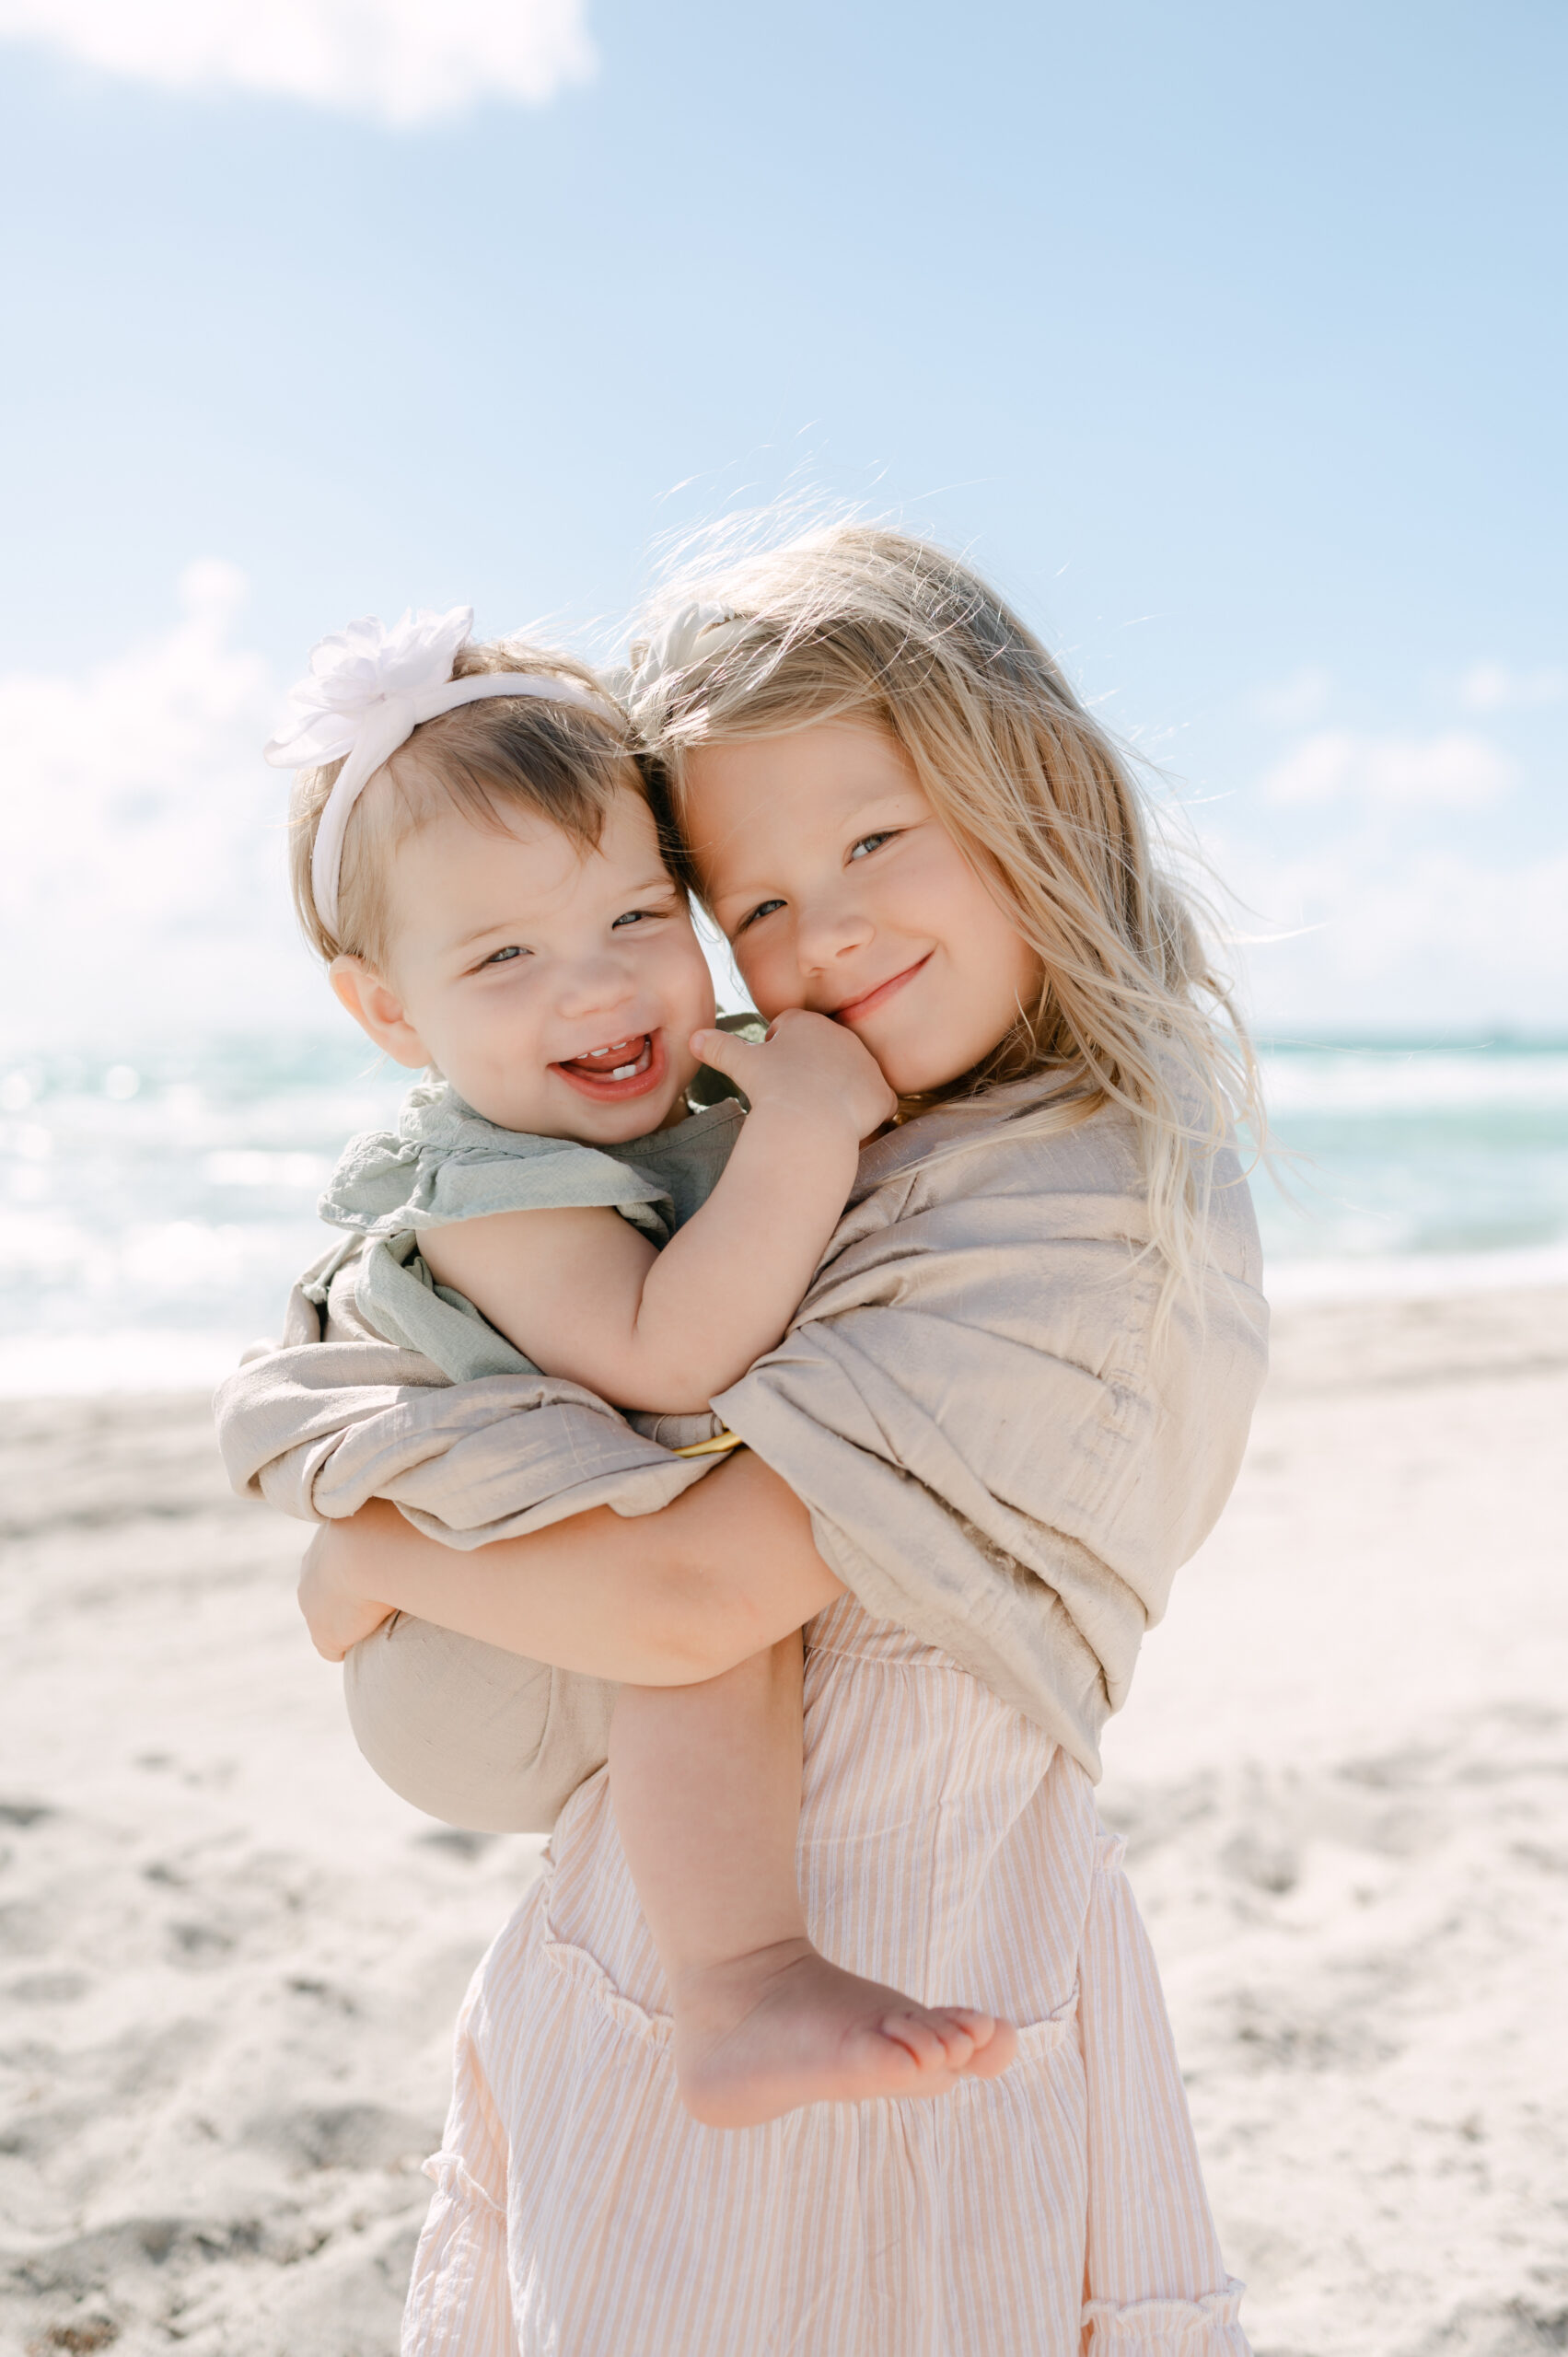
(582, 1294)
(659, 1599)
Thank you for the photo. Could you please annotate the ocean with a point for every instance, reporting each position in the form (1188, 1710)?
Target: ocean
(158, 1206)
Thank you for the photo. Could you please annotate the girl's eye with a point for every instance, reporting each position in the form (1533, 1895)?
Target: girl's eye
(762, 909)
(872, 843)
(636, 916)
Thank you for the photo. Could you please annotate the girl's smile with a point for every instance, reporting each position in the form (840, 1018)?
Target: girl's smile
(854, 1009)
(840, 890)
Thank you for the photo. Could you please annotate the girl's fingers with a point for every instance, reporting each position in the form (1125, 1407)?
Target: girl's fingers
(336, 1616)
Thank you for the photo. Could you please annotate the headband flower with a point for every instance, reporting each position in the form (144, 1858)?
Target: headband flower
(358, 668)
(366, 691)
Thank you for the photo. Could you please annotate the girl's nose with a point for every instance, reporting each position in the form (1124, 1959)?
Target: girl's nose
(828, 927)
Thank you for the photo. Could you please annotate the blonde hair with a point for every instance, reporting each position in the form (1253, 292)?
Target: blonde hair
(561, 762)
(858, 620)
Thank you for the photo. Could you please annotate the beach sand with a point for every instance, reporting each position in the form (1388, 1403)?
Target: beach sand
(229, 1961)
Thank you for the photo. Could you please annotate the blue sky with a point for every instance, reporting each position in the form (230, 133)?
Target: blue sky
(1229, 339)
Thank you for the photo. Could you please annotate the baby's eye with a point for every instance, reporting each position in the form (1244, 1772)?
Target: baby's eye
(501, 957)
(762, 909)
(637, 916)
(872, 843)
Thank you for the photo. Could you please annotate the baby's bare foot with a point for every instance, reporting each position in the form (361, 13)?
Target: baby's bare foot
(765, 2034)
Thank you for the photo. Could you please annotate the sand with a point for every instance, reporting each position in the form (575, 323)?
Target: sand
(1344, 1776)
(229, 1960)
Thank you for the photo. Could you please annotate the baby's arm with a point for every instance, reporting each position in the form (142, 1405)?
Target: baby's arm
(582, 1294)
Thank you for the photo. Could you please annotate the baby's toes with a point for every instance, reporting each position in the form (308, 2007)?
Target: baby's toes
(918, 2036)
(961, 2033)
(994, 2053)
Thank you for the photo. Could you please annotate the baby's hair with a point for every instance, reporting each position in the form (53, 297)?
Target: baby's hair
(858, 620)
(562, 762)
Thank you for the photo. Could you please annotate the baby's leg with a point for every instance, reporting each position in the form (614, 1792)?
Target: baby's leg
(706, 1784)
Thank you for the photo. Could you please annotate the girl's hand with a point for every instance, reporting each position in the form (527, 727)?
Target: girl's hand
(336, 1613)
(808, 1065)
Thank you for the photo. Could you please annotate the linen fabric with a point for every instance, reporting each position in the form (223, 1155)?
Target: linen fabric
(382, 1386)
(478, 1737)
(998, 1444)
(950, 1848)
(1002, 1446)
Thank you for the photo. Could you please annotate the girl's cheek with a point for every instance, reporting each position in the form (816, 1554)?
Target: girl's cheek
(760, 987)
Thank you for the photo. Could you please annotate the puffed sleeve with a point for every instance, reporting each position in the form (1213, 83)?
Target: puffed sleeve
(1156, 2283)
(460, 2301)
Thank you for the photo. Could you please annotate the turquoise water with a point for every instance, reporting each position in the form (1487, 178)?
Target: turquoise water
(1401, 1149)
(159, 1208)
(156, 1209)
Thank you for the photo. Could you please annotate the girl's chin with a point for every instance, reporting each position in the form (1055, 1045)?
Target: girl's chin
(909, 1074)
(914, 1065)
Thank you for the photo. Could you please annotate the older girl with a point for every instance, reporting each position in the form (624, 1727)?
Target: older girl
(1011, 1404)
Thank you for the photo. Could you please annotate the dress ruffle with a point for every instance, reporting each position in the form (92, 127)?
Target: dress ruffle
(1208, 2326)
(447, 2173)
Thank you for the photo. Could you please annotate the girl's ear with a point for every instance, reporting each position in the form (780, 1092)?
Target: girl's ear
(377, 1009)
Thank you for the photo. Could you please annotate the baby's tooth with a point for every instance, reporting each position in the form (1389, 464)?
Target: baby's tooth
(623, 1071)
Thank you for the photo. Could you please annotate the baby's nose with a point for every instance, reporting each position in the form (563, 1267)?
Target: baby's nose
(593, 986)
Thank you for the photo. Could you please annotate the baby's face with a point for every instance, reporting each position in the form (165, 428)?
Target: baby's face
(841, 891)
(556, 988)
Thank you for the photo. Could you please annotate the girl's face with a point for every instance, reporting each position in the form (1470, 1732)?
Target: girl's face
(840, 890)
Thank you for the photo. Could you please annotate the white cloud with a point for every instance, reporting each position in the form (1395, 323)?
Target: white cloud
(1455, 771)
(1371, 935)
(142, 880)
(1491, 687)
(135, 724)
(402, 62)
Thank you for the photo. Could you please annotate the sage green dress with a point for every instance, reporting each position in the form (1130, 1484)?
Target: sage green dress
(445, 1163)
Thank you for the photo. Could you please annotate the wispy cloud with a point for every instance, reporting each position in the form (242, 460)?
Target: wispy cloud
(1365, 936)
(1492, 687)
(1454, 770)
(144, 874)
(400, 62)
(161, 734)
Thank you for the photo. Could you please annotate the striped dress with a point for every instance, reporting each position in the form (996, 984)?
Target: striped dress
(946, 1847)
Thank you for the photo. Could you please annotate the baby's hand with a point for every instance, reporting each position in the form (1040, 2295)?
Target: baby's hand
(807, 1064)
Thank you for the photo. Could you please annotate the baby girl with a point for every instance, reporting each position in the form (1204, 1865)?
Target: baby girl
(479, 858)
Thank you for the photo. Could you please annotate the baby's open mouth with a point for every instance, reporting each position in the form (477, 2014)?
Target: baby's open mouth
(618, 1062)
(621, 1068)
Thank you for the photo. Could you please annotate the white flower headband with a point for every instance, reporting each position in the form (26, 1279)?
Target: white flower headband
(368, 690)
